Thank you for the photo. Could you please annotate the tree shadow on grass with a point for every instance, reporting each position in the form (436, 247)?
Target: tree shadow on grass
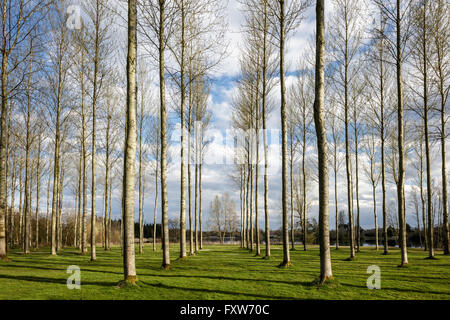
(302, 283)
(425, 291)
(259, 296)
(57, 281)
(80, 263)
(60, 269)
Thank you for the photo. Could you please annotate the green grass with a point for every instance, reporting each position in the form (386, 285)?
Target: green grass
(224, 272)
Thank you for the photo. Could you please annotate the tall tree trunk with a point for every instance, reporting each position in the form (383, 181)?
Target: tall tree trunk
(422, 196)
(444, 169)
(257, 238)
(12, 214)
(244, 204)
(305, 209)
(8, 206)
(84, 165)
(19, 235)
(418, 224)
(266, 151)
(241, 206)
(141, 230)
(375, 215)
(182, 142)
(427, 138)
(38, 190)
(252, 234)
(109, 215)
(258, 248)
(247, 197)
(335, 167)
(196, 141)
(141, 220)
(401, 162)
(60, 200)
(32, 183)
(129, 267)
(358, 226)
(102, 233)
(107, 178)
(291, 174)
(77, 214)
(156, 205)
(382, 138)
(56, 162)
(191, 233)
(27, 209)
(56, 172)
(196, 195)
(347, 153)
(200, 201)
(164, 201)
(78, 226)
(3, 134)
(48, 206)
(284, 190)
(94, 149)
(324, 235)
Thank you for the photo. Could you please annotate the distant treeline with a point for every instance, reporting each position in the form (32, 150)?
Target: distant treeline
(414, 237)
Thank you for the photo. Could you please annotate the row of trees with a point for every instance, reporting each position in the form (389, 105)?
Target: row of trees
(367, 93)
(223, 217)
(69, 97)
(364, 94)
(188, 31)
(56, 92)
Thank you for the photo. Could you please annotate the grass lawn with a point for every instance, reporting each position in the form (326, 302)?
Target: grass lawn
(224, 272)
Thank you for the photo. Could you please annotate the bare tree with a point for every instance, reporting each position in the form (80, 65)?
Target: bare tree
(257, 19)
(222, 216)
(416, 205)
(419, 154)
(420, 52)
(216, 217)
(29, 110)
(80, 73)
(158, 22)
(203, 117)
(396, 15)
(284, 17)
(440, 66)
(142, 123)
(382, 94)
(334, 125)
(303, 98)
(130, 150)
(346, 32)
(99, 19)
(244, 121)
(203, 146)
(324, 235)
(57, 79)
(18, 20)
(371, 169)
(293, 144)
